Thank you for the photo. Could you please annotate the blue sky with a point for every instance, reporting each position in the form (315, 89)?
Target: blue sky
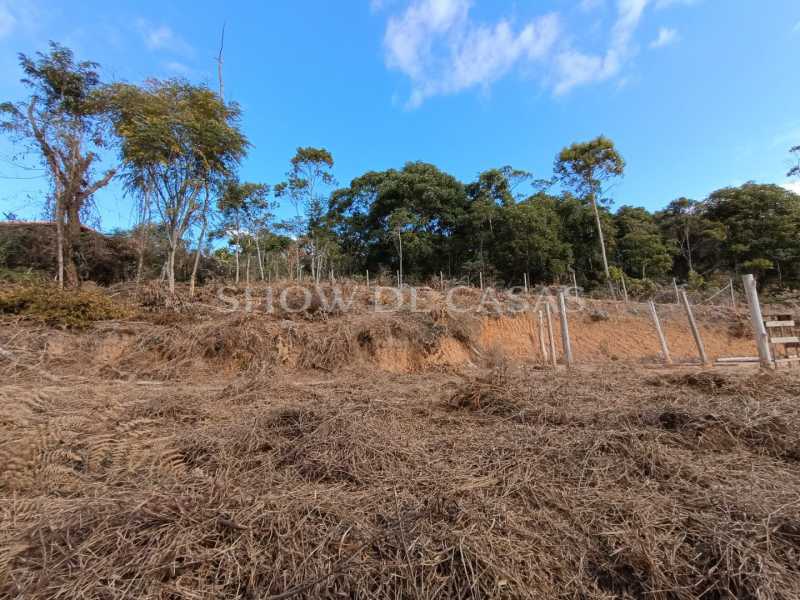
(697, 94)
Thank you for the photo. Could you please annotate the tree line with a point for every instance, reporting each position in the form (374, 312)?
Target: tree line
(177, 147)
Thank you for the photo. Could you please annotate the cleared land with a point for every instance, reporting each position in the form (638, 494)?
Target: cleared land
(199, 454)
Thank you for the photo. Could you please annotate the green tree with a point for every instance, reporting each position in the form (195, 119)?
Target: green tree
(585, 168)
(487, 196)
(762, 223)
(434, 205)
(684, 224)
(579, 230)
(530, 239)
(64, 120)
(178, 139)
(641, 247)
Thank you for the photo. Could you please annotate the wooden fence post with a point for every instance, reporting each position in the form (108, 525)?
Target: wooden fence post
(661, 338)
(733, 295)
(677, 294)
(367, 278)
(480, 275)
(562, 306)
(624, 288)
(757, 319)
(441, 279)
(541, 338)
(575, 284)
(550, 335)
(525, 280)
(701, 350)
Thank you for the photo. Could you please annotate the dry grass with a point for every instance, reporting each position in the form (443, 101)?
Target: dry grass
(586, 485)
(52, 306)
(266, 457)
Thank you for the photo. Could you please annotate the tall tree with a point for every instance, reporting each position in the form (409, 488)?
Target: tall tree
(178, 139)
(307, 184)
(65, 119)
(586, 167)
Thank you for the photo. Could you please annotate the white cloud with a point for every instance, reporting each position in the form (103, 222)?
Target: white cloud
(162, 37)
(792, 186)
(590, 5)
(666, 36)
(577, 68)
(177, 67)
(667, 3)
(8, 21)
(443, 51)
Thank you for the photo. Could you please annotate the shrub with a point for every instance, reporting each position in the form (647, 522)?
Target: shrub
(66, 308)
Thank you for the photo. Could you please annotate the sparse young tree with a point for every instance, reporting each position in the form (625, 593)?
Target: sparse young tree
(65, 120)
(586, 167)
(306, 184)
(245, 212)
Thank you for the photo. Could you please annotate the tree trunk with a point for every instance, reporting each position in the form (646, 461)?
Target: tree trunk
(144, 229)
(60, 240)
(602, 245)
(200, 241)
(400, 241)
(72, 245)
(260, 261)
(171, 269)
(140, 263)
(237, 262)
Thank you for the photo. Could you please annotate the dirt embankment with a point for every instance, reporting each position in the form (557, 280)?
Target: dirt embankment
(390, 342)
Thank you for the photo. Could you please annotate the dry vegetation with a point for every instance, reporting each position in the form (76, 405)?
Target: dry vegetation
(181, 453)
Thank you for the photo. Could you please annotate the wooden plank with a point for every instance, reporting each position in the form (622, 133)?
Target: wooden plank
(785, 340)
(738, 359)
(788, 360)
(779, 324)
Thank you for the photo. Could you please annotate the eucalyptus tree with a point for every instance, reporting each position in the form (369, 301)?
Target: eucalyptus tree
(585, 168)
(65, 120)
(177, 141)
(307, 184)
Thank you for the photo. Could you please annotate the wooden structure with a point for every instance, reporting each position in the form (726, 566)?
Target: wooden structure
(783, 339)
